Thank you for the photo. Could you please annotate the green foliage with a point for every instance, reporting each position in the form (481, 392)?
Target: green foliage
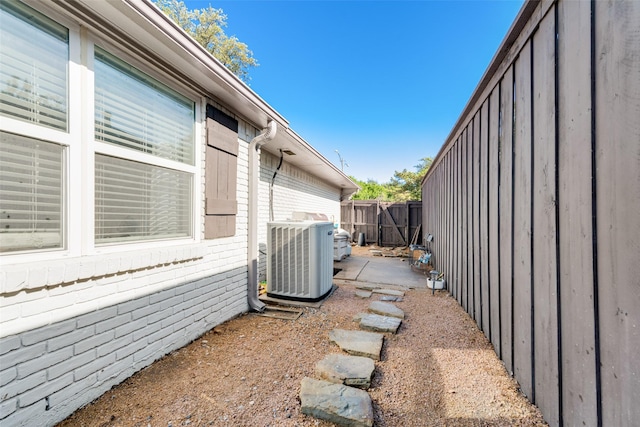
(371, 190)
(206, 27)
(404, 186)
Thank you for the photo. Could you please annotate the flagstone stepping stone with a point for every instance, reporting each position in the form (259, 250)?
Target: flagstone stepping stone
(367, 286)
(386, 309)
(363, 294)
(336, 403)
(358, 343)
(377, 323)
(390, 298)
(394, 292)
(354, 371)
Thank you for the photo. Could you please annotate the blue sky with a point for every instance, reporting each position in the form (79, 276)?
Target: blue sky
(382, 82)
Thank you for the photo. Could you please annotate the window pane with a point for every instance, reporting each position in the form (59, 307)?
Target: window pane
(34, 56)
(31, 194)
(135, 111)
(136, 201)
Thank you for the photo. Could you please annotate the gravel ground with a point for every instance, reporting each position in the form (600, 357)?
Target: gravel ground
(439, 370)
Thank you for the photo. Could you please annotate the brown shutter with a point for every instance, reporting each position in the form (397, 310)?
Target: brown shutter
(221, 174)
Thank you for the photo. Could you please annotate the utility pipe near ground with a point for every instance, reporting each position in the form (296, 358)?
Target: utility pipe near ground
(252, 240)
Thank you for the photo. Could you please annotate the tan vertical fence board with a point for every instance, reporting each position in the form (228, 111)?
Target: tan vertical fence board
(618, 207)
(464, 171)
(458, 225)
(545, 322)
(522, 222)
(473, 218)
(506, 217)
(476, 220)
(576, 258)
(494, 269)
(483, 218)
(442, 237)
(448, 216)
(449, 270)
(442, 265)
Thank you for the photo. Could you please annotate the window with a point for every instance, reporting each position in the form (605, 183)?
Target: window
(142, 158)
(135, 201)
(31, 194)
(140, 198)
(34, 58)
(135, 111)
(33, 68)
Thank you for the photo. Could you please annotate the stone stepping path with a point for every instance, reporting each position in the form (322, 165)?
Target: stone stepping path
(354, 371)
(336, 403)
(358, 343)
(340, 396)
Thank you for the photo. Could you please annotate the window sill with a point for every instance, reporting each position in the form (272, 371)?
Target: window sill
(63, 271)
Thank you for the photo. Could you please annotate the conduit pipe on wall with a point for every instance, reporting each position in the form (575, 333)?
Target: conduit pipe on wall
(252, 240)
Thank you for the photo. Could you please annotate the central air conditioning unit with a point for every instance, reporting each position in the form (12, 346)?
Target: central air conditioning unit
(299, 260)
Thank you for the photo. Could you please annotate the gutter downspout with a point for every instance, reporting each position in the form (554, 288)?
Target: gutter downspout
(252, 240)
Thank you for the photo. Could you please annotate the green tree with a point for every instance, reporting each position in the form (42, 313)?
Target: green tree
(406, 185)
(206, 26)
(370, 190)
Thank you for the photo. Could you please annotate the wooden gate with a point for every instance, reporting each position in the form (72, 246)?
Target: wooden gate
(383, 223)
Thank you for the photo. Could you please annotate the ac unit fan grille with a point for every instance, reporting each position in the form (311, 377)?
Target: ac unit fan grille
(299, 260)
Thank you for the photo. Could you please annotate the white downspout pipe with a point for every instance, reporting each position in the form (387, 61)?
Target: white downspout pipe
(252, 240)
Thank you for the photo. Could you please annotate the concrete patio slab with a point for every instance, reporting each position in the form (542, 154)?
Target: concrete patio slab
(380, 271)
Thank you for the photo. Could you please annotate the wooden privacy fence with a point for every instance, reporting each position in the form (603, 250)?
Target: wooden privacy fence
(382, 223)
(534, 207)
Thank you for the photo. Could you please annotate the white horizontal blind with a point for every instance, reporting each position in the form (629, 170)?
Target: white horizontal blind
(31, 194)
(135, 111)
(136, 201)
(34, 55)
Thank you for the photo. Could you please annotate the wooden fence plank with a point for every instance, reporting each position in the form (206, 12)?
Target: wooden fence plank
(465, 222)
(544, 221)
(492, 228)
(617, 144)
(471, 212)
(575, 231)
(477, 292)
(522, 223)
(483, 218)
(457, 225)
(506, 218)
(449, 269)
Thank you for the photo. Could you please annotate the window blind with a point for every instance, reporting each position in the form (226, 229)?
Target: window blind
(34, 55)
(136, 201)
(31, 194)
(135, 111)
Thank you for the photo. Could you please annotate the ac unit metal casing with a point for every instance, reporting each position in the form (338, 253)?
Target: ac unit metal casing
(299, 260)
